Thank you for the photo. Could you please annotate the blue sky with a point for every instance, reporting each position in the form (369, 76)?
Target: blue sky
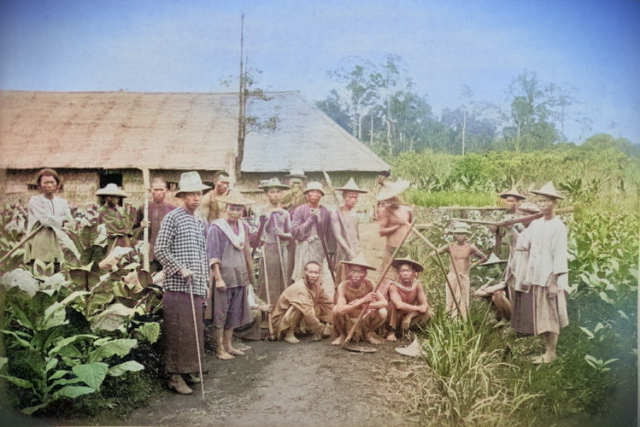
(591, 47)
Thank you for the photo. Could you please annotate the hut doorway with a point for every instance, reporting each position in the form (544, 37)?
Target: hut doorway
(109, 177)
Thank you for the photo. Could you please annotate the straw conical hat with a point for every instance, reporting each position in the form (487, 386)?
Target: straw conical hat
(392, 189)
(352, 187)
(234, 197)
(111, 190)
(548, 190)
(396, 263)
(190, 182)
(273, 183)
(530, 208)
(513, 193)
(493, 259)
(360, 262)
(314, 185)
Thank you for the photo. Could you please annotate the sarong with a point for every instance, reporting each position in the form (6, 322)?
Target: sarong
(180, 338)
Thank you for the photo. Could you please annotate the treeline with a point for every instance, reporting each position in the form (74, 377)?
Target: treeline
(378, 104)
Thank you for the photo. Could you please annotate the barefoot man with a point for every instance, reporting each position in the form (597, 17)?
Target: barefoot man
(303, 306)
(345, 227)
(407, 301)
(541, 296)
(353, 294)
(461, 252)
(394, 219)
(229, 255)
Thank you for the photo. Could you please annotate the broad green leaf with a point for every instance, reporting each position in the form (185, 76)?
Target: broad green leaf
(92, 374)
(149, 331)
(31, 409)
(54, 315)
(24, 343)
(69, 340)
(63, 381)
(52, 363)
(58, 374)
(111, 318)
(70, 351)
(131, 366)
(54, 282)
(3, 361)
(72, 392)
(73, 296)
(21, 279)
(18, 381)
(119, 347)
(587, 331)
(605, 298)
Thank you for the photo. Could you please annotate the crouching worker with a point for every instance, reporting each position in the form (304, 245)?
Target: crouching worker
(408, 305)
(303, 307)
(353, 294)
(496, 292)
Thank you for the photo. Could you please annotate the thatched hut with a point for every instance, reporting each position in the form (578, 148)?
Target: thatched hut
(93, 138)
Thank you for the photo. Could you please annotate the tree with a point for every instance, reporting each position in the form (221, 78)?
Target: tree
(535, 107)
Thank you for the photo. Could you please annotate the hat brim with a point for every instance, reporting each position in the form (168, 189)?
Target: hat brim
(396, 263)
(553, 196)
(352, 190)
(516, 195)
(111, 193)
(311, 189)
(357, 264)
(396, 189)
(194, 189)
(267, 186)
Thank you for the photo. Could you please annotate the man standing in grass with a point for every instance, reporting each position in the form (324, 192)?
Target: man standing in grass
(541, 295)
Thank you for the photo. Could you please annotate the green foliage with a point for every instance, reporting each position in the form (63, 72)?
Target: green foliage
(66, 333)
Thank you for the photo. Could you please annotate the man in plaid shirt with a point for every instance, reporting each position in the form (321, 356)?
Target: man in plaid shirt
(181, 249)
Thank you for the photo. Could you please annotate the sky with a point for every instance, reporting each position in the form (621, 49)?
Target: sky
(589, 47)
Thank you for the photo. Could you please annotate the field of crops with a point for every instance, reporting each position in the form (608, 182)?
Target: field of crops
(87, 338)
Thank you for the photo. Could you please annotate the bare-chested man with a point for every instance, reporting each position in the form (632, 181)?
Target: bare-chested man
(303, 306)
(345, 227)
(211, 208)
(354, 294)
(394, 219)
(458, 277)
(408, 304)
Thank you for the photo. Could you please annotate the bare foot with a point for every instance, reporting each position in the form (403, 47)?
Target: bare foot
(223, 355)
(392, 336)
(545, 358)
(371, 340)
(291, 339)
(339, 340)
(234, 351)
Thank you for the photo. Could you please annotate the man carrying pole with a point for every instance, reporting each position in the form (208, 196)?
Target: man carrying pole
(180, 248)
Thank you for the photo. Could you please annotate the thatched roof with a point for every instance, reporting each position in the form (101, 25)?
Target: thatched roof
(171, 131)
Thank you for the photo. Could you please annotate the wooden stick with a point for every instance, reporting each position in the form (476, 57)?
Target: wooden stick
(384, 273)
(24, 240)
(145, 248)
(272, 334)
(284, 273)
(467, 208)
(195, 327)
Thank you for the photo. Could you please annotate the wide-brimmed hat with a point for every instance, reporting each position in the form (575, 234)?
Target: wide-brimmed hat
(548, 190)
(360, 262)
(352, 187)
(111, 189)
(512, 193)
(190, 182)
(396, 263)
(296, 173)
(234, 197)
(528, 207)
(392, 189)
(493, 259)
(273, 183)
(313, 185)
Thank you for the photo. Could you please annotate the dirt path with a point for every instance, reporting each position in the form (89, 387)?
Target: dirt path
(280, 384)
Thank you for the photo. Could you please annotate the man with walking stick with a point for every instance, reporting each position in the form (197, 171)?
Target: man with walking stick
(181, 249)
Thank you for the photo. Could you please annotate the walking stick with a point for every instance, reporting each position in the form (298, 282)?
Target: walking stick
(195, 329)
(272, 335)
(384, 273)
(440, 264)
(21, 243)
(145, 247)
(284, 273)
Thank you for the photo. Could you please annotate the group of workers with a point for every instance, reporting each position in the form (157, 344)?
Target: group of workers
(313, 276)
